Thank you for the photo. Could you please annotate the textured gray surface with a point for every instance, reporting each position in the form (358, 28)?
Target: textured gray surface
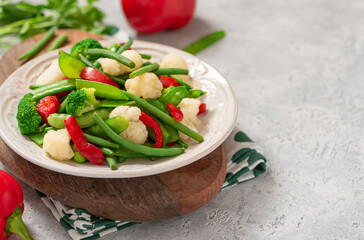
(297, 69)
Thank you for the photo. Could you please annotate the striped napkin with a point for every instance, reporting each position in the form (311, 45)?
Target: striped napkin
(245, 162)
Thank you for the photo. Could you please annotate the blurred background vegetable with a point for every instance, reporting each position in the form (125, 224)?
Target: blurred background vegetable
(147, 16)
(20, 20)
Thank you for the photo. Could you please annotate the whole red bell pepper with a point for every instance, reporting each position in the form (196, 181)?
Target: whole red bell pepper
(149, 121)
(47, 106)
(151, 16)
(89, 151)
(175, 111)
(91, 74)
(168, 81)
(11, 208)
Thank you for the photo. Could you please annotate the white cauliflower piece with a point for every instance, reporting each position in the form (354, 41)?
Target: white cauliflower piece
(146, 85)
(57, 144)
(190, 108)
(52, 74)
(115, 68)
(136, 132)
(173, 60)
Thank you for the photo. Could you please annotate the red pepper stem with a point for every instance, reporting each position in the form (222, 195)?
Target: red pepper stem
(16, 225)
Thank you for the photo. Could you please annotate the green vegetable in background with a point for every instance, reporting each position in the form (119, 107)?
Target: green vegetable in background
(37, 47)
(204, 42)
(20, 20)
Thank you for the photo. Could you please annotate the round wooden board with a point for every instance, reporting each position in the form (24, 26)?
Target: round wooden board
(142, 199)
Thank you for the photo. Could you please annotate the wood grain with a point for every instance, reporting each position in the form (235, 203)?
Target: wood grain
(151, 198)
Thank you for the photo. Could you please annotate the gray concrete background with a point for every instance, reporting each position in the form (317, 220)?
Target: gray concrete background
(297, 69)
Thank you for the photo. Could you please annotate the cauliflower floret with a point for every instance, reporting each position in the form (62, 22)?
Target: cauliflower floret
(115, 68)
(52, 74)
(136, 132)
(130, 113)
(146, 85)
(57, 144)
(174, 60)
(190, 108)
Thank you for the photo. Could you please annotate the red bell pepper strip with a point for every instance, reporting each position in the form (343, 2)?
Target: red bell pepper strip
(175, 111)
(202, 108)
(11, 208)
(47, 106)
(147, 16)
(91, 74)
(62, 94)
(168, 81)
(149, 121)
(89, 151)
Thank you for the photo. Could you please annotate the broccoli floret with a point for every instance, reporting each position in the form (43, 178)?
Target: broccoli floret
(27, 115)
(81, 101)
(81, 46)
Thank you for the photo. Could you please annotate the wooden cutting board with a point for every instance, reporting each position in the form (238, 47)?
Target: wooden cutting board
(142, 199)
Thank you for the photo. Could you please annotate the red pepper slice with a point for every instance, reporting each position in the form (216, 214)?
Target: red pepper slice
(91, 74)
(168, 81)
(175, 111)
(62, 94)
(171, 144)
(11, 208)
(149, 121)
(47, 106)
(202, 108)
(89, 151)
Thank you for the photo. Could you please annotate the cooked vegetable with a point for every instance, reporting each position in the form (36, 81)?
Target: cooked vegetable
(100, 142)
(158, 104)
(170, 71)
(82, 46)
(190, 108)
(89, 151)
(182, 144)
(78, 157)
(69, 65)
(145, 56)
(144, 69)
(175, 112)
(204, 42)
(149, 121)
(174, 96)
(109, 54)
(37, 47)
(81, 101)
(27, 115)
(146, 85)
(52, 74)
(181, 82)
(57, 144)
(102, 90)
(11, 208)
(161, 152)
(115, 103)
(115, 68)
(47, 106)
(54, 88)
(168, 81)
(202, 108)
(117, 124)
(112, 162)
(195, 93)
(125, 46)
(94, 75)
(58, 42)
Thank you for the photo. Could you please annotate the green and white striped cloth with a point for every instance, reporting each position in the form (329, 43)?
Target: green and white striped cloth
(245, 162)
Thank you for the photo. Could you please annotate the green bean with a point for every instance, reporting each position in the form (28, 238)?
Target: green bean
(42, 94)
(144, 69)
(62, 107)
(117, 124)
(35, 86)
(146, 64)
(84, 121)
(145, 56)
(112, 162)
(165, 132)
(169, 71)
(124, 47)
(182, 83)
(127, 153)
(100, 142)
(182, 143)
(195, 93)
(114, 47)
(173, 133)
(109, 54)
(55, 85)
(204, 42)
(160, 152)
(39, 45)
(89, 64)
(78, 156)
(115, 103)
(165, 117)
(58, 42)
(121, 159)
(107, 151)
(158, 104)
(102, 90)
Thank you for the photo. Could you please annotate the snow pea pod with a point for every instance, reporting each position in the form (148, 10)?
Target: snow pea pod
(158, 152)
(174, 96)
(102, 90)
(195, 93)
(85, 120)
(70, 66)
(117, 124)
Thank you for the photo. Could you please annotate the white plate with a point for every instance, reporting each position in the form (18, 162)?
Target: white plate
(217, 124)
